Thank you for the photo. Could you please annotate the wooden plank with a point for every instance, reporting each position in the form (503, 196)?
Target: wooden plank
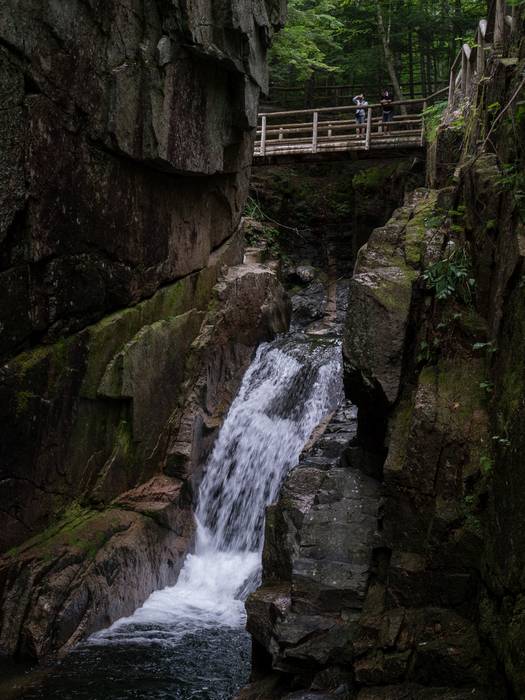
(325, 141)
(263, 135)
(314, 134)
(368, 128)
(464, 72)
(399, 144)
(338, 119)
(399, 134)
(480, 53)
(307, 126)
(451, 87)
(438, 93)
(351, 126)
(499, 26)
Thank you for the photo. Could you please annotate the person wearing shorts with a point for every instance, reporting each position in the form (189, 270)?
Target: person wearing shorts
(360, 113)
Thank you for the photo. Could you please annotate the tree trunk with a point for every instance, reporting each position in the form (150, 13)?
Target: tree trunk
(389, 56)
(411, 63)
(310, 91)
(422, 71)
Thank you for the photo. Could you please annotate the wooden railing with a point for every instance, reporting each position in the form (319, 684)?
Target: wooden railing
(493, 37)
(335, 129)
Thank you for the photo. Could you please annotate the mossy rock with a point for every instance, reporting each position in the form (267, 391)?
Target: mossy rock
(61, 531)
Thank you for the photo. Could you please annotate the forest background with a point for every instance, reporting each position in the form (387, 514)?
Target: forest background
(333, 49)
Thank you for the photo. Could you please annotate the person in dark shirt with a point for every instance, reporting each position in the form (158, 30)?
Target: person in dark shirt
(388, 109)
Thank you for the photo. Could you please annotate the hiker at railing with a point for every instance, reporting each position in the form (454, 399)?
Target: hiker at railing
(388, 109)
(360, 113)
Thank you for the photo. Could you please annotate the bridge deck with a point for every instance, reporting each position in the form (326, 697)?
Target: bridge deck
(333, 133)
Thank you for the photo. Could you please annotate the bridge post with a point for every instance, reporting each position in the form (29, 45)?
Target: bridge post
(465, 69)
(263, 136)
(468, 53)
(368, 129)
(314, 135)
(499, 26)
(480, 55)
(425, 105)
(451, 86)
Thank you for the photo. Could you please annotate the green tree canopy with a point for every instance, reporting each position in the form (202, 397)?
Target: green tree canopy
(313, 32)
(351, 42)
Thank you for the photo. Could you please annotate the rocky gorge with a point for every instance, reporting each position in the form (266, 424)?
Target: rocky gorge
(393, 560)
(393, 556)
(126, 139)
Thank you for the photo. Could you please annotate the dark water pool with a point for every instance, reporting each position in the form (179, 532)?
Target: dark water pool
(210, 664)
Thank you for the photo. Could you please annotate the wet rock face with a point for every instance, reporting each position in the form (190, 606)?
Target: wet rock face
(92, 567)
(104, 100)
(327, 211)
(372, 560)
(419, 618)
(125, 142)
(317, 557)
(379, 321)
(98, 561)
(381, 296)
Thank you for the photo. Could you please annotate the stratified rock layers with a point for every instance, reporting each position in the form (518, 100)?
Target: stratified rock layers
(372, 555)
(434, 361)
(125, 140)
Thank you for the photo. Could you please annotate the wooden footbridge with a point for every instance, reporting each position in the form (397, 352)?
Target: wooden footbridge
(331, 133)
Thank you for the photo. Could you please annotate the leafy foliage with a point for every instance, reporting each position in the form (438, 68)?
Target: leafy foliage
(311, 34)
(512, 180)
(338, 41)
(451, 276)
(433, 116)
(263, 235)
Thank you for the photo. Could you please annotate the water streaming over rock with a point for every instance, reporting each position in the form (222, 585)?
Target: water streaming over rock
(289, 388)
(292, 384)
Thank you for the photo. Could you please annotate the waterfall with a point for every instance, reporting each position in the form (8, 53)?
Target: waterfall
(291, 385)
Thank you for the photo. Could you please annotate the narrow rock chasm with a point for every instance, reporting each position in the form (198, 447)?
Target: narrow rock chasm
(261, 428)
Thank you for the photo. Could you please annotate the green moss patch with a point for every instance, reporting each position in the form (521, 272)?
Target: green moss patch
(71, 519)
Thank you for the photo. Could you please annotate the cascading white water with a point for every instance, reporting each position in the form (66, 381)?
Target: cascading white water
(289, 388)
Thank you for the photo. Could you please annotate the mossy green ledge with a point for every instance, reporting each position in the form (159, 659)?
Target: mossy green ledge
(79, 416)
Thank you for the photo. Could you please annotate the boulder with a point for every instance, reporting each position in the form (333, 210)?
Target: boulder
(380, 299)
(92, 567)
(317, 556)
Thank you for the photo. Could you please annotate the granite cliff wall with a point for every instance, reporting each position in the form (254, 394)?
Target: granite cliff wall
(125, 143)
(410, 584)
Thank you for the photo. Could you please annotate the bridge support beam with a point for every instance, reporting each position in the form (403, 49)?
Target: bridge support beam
(315, 132)
(263, 136)
(368, 129)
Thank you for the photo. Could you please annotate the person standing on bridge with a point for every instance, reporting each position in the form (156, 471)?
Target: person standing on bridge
(388, 109)
(360, 113)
